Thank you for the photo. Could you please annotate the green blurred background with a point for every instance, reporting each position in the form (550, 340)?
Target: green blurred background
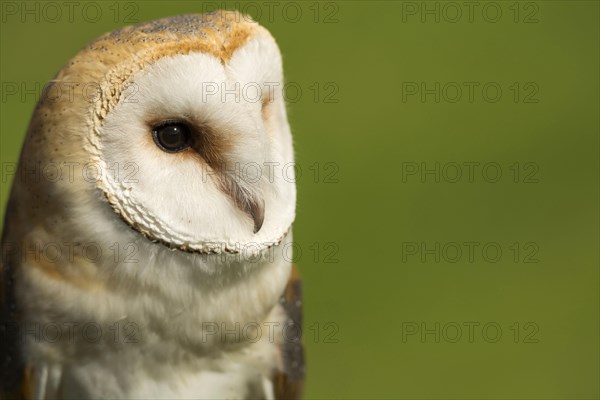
(365, 228)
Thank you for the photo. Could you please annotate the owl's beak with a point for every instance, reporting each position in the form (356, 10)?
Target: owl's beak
(256, 209)
(249, 202)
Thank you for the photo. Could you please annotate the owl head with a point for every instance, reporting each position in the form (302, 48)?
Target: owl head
(181, 125)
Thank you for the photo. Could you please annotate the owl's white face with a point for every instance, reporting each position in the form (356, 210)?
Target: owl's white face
(199, 167)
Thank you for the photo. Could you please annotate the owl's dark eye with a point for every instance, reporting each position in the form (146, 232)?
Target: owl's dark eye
(172, 137)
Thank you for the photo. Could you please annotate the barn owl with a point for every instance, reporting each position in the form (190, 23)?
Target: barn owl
(146, 238)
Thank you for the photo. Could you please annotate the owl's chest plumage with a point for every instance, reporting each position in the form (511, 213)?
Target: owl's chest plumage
(156, 332)
(131, 375)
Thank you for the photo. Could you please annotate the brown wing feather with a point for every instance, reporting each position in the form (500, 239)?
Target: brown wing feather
(15, 378)
(288, 382)
(11, 365)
